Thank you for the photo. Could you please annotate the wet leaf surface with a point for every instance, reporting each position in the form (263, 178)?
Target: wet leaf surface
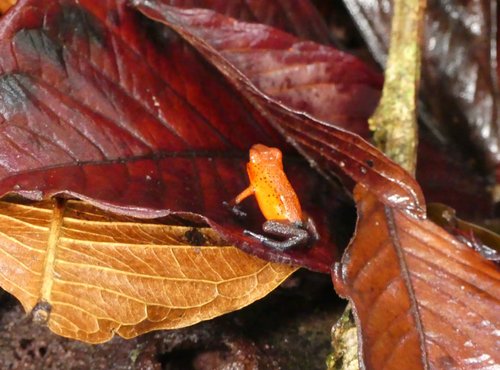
(422, 298)
(99, 102)
(89, 274)
(103, 105)
(324, 144)
(332, 87)
(459, 82)
(479, 238)
(299, 18)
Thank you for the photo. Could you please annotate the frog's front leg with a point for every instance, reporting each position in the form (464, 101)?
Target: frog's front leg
(294, 233)
(235, 209)
(234, 205)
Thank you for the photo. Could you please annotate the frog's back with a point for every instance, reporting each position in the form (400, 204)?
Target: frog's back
(275, 195)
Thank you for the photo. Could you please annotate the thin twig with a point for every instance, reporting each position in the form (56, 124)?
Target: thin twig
(394, 122)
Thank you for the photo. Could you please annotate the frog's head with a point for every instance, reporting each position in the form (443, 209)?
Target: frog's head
(261, 154)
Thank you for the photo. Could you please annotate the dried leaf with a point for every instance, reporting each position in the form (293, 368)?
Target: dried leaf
(93, 274)
(422, 298)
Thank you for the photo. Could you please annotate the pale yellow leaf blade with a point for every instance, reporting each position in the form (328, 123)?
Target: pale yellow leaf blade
(102, 274)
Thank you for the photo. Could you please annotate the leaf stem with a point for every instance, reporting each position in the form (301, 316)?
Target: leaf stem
(394, 122)
(55, 230)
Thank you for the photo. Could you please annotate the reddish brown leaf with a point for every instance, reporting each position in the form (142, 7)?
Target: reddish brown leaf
(299, 17)
(101, 105)
(483, 240)
(324, 83)
(323, 143)
(422, 298)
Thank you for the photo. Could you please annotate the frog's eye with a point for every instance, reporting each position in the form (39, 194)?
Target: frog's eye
(274, 154)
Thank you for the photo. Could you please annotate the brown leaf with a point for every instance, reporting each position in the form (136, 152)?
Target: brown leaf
(483, 240)
(422, 298)
(91, 274)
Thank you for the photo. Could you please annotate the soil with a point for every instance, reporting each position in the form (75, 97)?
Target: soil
(289, 329)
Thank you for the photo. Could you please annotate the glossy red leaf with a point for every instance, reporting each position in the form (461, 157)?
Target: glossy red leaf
(324, 144)
(100, 104)
(323, 83)
(299, 17)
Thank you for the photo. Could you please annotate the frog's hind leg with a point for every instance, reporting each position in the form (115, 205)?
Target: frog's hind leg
(235, 209)
(295, 235)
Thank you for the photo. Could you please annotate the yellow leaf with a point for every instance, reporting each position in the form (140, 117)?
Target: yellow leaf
(89, 274)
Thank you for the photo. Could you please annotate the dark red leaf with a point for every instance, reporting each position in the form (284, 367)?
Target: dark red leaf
(324, 144)
(447, 177)
(98, 103)
(316, 79)
(323, 83)
(299, 17)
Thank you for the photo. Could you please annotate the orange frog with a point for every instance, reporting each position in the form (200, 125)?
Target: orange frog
(277, 201)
